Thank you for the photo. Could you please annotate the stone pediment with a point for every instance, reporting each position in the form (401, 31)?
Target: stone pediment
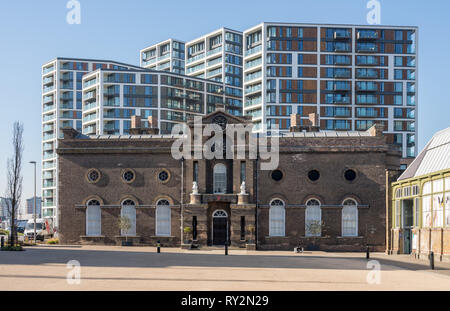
(222, 117)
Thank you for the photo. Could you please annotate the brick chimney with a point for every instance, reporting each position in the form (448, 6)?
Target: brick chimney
(314, 119)
(135, 122)
(153, 125)
(376, 130)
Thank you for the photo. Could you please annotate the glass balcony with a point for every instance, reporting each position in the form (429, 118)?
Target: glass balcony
(48, 136)
(252, 101)
(367, 35)
(88, 96)
(341, 47)
(367, 48)
(48, 128)
(89, 106)
(48, 184)
(366, 100)
(149, 62)
(163, 57)
(48, 88)
(341, 34)
(341, 100)
(254, 50)
(89, 83)
(214, 51)
(48, 80)
(48, 69)
(48, 164)
(49, 108)
(48, 117)
(252, 89)
(196, 58)
(48, 99)
(342, 74)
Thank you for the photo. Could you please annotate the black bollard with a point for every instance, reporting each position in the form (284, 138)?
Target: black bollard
(158, 247)
(226, 248)
(3, 241)
(367, 253)
(432, 260)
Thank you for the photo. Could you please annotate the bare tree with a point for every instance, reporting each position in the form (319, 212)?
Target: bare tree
(14, 179)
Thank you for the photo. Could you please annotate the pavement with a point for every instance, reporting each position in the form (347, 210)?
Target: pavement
(141, 268)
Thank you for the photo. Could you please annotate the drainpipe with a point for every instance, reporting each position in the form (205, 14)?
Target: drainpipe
(256, 192)
(182, 201)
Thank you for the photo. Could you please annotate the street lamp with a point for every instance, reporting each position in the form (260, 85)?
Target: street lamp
(34, 210)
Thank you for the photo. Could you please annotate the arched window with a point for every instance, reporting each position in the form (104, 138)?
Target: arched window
(128, 210)
(350, 218)
(93, 218)
(220, 178)
(277, 218)
(163, 217)
(313, 218)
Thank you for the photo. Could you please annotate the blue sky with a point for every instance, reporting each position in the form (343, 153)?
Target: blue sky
(33, 32)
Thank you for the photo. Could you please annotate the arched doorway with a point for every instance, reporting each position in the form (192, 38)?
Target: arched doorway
(219, 227)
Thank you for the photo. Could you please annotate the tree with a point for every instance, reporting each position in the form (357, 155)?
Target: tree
(124, 225)
(14, 179)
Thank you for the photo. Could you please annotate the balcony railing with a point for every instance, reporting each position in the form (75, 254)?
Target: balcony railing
(254, 50)
(367, 35)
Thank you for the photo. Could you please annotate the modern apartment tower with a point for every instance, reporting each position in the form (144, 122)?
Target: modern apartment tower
(165, 56)
(351, 76)
(62, 107)
(112, 97)
(217, 56)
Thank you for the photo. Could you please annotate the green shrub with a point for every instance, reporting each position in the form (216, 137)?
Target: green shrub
(12, 248)
(53, 241)
(4, 232)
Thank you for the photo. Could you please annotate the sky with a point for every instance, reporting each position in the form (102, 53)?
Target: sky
(34, 32)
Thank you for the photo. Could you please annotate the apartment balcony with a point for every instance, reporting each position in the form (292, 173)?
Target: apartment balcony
(48, 99)
(146, 62)
(342, 48)
(48, 137)
(48, 128)
(90, 118)
(254, 50)
(367, 88)
(47, 155)
(369, 100)
(48, 184)
(89, 83)
(89, 96)
(213, 72)
(48, 89)
(342, 35)
(367, 49)
(214, 51)
(90, 106)
(341, 87)
(48, 165)
(163, 57)
(367, 75)
(66, 106)
(345, 100)
(48, 80)
(48, 69)
(342, 74)
(253, 89)
(49, 108)
(196, 58)
(48, 117)
(213, 62)
(367, 35)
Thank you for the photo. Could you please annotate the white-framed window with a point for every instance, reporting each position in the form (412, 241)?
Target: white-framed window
(438, 210)
(438, 185)
(93, 218)
(417, 212)
(313, 218)
(163, 218)
(447, 208)
(220, 178)
(398, 214)
(277, 218)
(426, 211)
(426, 188)
(128, 210)
(349, 218)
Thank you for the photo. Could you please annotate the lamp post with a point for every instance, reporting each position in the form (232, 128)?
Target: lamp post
(34, 209)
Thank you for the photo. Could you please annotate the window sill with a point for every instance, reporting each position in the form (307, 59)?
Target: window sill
(350, 237)
(163, 236)
(276, 237)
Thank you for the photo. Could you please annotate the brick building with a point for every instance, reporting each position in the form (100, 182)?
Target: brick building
(328, 191)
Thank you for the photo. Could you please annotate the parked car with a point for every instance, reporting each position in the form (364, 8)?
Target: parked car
(41, 231)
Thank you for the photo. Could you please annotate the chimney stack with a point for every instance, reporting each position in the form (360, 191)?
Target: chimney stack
(314, 118)
(135, 122)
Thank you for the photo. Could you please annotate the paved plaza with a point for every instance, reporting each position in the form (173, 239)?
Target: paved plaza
(141, 268)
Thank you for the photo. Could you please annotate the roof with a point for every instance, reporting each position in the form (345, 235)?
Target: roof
(434, 157)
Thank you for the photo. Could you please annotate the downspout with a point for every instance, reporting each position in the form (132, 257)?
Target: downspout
(256, 192)
(182, 202)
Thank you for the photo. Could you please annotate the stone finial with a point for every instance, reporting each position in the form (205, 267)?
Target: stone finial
(243, 188)
(194, 188)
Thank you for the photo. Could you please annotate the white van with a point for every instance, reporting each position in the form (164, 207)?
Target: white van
(41, 230)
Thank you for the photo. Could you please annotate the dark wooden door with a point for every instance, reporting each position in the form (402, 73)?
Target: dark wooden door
(220, 231)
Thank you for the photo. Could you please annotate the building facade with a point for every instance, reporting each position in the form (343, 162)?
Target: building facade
(30, 206)
(317, 196)
(112, 97)
(62, 107)
(217, 56)
(420, 203)
(351, 76)
(168, 55)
